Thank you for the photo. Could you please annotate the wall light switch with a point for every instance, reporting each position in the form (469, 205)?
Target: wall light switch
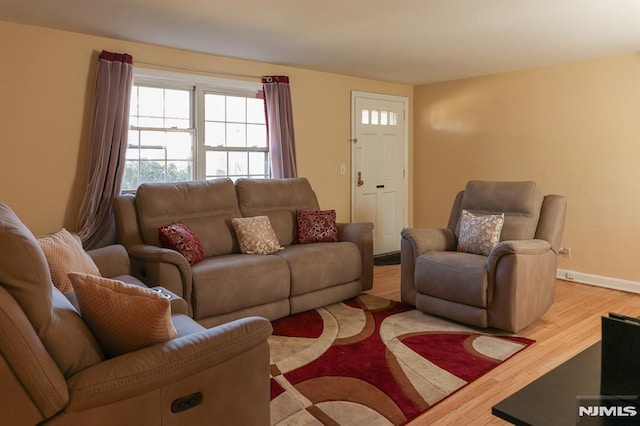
(343, 168)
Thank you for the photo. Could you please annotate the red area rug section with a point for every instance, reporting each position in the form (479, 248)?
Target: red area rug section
(305, 324)
(367, 359)
(448, 352)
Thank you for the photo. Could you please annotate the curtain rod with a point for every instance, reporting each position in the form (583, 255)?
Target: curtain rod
(202, 70)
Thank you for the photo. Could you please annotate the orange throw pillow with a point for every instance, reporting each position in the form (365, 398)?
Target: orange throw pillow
(122, 317)
(65, 254)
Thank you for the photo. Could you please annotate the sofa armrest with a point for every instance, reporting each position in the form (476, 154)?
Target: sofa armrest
(163, 364)
(157, 266)
(361, 234)
(413, 243)
(429, 239)
(517, 247)
(112, 260)
(522, 279)
(357, 232)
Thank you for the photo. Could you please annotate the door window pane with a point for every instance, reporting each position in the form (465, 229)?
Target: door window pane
(365, 116)
(384, 118)
(374, 117)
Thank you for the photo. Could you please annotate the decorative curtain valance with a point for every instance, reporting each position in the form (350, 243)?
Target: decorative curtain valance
(108, 146)
(280, 135)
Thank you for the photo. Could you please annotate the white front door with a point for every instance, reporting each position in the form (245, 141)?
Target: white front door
(378, 167)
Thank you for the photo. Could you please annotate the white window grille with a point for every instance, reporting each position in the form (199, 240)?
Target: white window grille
(187, 127)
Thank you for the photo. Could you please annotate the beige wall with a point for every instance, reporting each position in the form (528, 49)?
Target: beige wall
(46, 88)
(573, 128)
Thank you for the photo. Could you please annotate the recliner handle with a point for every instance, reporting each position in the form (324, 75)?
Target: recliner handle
(186, 402)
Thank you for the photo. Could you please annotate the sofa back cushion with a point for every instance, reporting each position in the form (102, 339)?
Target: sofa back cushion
(519, 201)
(279, 199)
(207, 207)
(24, 273)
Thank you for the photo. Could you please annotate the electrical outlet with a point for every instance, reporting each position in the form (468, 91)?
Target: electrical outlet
(565, 252)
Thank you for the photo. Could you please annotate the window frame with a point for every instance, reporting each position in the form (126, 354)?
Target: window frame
(191, 129)
(199, 85)
(207, 148)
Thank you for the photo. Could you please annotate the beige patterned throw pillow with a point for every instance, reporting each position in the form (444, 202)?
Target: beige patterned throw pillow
(122, 317)
(65, 254)
(479, 233)
(255, 235)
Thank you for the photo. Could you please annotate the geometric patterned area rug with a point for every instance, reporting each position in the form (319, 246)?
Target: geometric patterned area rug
(372, 361)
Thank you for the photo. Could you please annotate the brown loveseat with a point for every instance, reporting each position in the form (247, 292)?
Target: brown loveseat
(227, 285)
(52, 370)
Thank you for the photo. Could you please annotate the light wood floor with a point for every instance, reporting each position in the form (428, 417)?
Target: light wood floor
(571, 325)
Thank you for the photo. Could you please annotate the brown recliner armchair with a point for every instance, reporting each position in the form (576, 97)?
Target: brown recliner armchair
(509, 288)
(52, 371)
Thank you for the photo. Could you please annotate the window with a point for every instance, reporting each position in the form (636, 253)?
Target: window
(161, 136)
(379, 118)
(235, 136)
(182, 130)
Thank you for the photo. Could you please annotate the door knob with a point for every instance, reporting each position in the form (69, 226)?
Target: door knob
(360, 182)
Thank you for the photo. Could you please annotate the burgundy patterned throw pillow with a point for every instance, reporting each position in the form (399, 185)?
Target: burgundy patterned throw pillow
(315, 226)
(179, 237)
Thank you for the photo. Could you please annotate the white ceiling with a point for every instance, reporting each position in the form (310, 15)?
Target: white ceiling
(405, 41)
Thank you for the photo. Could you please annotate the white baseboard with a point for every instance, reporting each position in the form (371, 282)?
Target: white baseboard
(598, 280)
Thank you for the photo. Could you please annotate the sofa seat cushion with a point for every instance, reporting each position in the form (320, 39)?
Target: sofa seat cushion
(454, 276)
(228, 283)
(185, 325)
(317, 266)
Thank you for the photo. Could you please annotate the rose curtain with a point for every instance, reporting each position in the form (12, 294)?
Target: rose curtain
(108, 146)
(282, 147)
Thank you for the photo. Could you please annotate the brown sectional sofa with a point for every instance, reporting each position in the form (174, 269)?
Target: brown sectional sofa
(228, 285)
